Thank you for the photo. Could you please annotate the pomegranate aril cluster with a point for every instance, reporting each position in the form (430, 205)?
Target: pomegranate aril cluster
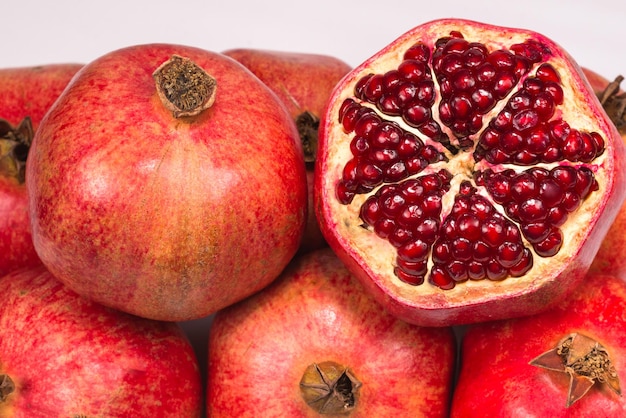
(540, 200)
(382, 152)
(525, 132)
(459, 99)
(477, 242)
(472, 80)
(408, 215)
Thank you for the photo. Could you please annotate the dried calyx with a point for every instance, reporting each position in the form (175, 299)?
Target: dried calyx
(14, 146)
(7, 387)
(184, 88)
(330, 388)
(585, 360)
(308, 125)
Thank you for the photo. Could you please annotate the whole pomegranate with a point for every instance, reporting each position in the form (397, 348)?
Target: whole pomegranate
(564, 362)
(315, 343)
(303, 82)
(167, 181)
(27, 93)
(610, 257)
(467, 172)
(62, 355)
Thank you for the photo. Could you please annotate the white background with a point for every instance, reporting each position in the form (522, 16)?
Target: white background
(38, 32)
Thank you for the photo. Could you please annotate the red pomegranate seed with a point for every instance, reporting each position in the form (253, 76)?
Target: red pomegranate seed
(441, 278)
(524, 265)
(462, 249)
(476, 270)
(414, 251)
(411, 279)
(359, 146)
(416, 114)
(550, 192)
(373, 88)
(415, 269)
(509, 253)
(482, 253)
(384, 227)
(419, 52)
(457, 271)
(493, 232)
(496, 271)
(535, 232)
(469, 227)
(405, 93)
(546, 72)
(366, 122)
(551, 244)
(442, 253)
(413, 70)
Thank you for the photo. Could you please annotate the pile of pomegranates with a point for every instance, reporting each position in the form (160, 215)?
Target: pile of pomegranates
(435, 232)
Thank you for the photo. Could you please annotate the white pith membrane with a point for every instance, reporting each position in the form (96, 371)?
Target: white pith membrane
(377, 256)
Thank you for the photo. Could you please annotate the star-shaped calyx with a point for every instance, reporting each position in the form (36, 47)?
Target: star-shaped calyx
(15, 142)
(585, 360)
(329, 388)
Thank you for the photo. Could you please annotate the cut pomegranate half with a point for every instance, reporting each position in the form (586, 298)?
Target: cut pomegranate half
(467, 172)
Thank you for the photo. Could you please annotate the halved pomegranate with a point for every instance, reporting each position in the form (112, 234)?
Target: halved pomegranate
(467, 172)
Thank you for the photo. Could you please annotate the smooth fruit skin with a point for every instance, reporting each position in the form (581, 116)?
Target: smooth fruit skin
(369, 258)
(610, 257)
(316, 312)
(25, 92)
(165, 218)
(496, 380)
(303, 82)
(70, 357)
(16, 243)
(597, 81)
(30, 91)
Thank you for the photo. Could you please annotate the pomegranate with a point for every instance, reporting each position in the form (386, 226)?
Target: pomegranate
(30, 91)
(27, 93)
(564, 362)
(303, 82)
(467, 172)
(316, 343)
(610, 257)
(166, 181)
(62, 355)
(597, 81)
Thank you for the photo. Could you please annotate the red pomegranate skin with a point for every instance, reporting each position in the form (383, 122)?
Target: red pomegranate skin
(316, 312)
(597, 81)
(303, 82)
(16, 243)
(496, 380)
(25, 92)
(165, 218)
(70, 357)
(610, 257)
(30, 91)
